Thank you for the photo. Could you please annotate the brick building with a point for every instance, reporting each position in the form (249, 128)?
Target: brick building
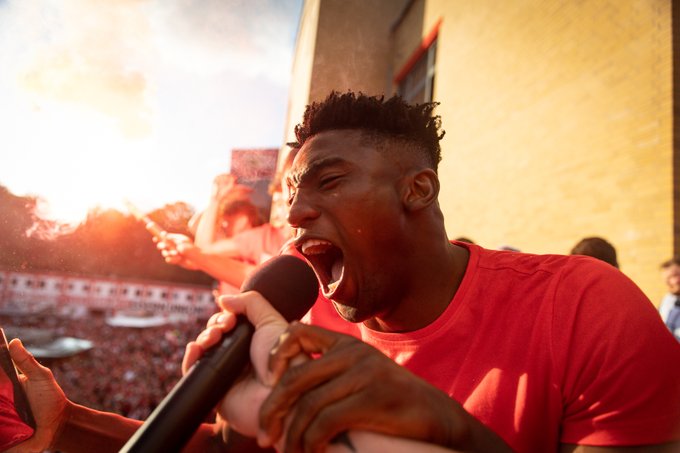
(558, 114)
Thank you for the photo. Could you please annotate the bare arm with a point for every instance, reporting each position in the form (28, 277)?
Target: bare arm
(227, 247)
(85, 429)
(207, 228)
(663, 448)
(223, 268)
(65, 426)
(180, 250)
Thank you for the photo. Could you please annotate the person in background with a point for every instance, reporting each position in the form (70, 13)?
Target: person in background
(229, 212)
(669, 309)
(596, 247)
(509, 248)
(229, 259)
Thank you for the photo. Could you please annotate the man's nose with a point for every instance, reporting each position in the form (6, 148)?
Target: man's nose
(301, 211)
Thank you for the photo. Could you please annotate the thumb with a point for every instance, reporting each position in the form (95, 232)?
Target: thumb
(25, 361)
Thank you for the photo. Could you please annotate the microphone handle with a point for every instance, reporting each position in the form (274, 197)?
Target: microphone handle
(174, 421)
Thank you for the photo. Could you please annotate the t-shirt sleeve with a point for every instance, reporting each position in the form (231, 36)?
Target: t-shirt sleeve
(619, 365)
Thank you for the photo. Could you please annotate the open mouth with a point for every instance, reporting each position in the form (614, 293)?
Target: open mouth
(327, 261)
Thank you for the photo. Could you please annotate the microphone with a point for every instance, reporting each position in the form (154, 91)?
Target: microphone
(291, 287)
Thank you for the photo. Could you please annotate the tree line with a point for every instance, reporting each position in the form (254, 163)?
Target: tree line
(108, 243)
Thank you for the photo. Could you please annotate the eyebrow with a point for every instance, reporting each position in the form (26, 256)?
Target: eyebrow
(299, 177)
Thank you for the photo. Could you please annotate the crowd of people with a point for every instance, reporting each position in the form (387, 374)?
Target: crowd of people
(497, 350)
(128, 370)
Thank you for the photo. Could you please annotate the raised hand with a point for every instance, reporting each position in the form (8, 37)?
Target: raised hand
(177, 249)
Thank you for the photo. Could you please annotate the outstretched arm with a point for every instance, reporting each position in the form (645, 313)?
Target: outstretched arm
(222, 268)
(182, 251)
(65, 426)
(672, 447)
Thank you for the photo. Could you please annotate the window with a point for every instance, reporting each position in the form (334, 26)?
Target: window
(417, 84)
(415, 80)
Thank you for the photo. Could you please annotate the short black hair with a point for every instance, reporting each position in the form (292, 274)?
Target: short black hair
(596, 247)
(393, 119)
(668, 263)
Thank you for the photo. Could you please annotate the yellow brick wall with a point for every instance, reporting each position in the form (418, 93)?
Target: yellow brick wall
(558, 119)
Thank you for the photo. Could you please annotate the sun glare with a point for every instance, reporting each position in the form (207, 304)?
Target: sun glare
(101, 170)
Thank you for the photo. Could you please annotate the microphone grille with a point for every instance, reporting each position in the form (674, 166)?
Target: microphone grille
(287, 282)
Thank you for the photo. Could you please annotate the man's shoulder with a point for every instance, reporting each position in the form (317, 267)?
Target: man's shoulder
(551, 273)
(530, 263)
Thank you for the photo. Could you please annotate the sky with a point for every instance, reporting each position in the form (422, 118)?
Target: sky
(105, 101)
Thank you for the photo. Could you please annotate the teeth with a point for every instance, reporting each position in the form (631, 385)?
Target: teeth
(315, 246)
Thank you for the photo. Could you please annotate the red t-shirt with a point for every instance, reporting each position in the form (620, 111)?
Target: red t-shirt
(13, 429)
(257, 245)
(546, 350)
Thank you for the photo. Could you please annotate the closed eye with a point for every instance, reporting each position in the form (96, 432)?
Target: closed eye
(291, 195)
(329, 182)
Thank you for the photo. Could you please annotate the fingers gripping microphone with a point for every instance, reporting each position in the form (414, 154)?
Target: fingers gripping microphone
(290, 285)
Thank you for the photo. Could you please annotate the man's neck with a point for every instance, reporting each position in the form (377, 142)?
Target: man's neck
(432, 292)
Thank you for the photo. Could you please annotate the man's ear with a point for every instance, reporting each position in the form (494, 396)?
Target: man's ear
(421, 189)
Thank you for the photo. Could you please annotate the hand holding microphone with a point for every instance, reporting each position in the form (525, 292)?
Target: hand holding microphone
(241, 406)
(290, 285)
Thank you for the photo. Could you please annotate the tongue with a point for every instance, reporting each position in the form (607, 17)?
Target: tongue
(336, 270)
